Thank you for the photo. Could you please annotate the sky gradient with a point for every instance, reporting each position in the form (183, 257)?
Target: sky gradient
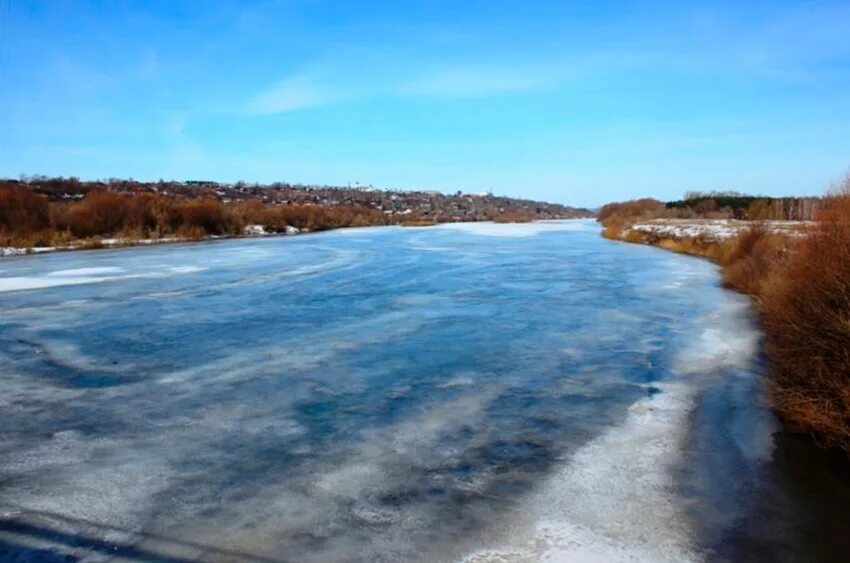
(573, 102)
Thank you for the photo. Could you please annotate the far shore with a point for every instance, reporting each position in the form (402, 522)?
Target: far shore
(252, 232)
(115, 243)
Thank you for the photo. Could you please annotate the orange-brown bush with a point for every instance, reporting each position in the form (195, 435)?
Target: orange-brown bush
(805, 307)
(633, 210)
(752, 259)
(316, 218)
(152, 215)
(243, 213)
(23, 211)
(99, 213)
(206, 215)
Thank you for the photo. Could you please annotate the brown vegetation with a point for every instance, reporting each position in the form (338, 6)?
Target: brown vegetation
(417, 223)
(64, 212)
(28, 219)
(752, 258)
(616, 215)
(805, 307)
(22, 211)
(513, 217)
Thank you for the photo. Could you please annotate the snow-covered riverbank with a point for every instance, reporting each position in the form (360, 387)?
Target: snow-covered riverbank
(713, 229)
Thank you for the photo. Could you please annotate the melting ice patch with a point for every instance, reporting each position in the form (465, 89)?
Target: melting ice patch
(82, 276)
(74, 272)
(186, 269)
(615, 500)
(725, 339)
(21, 283)
(92, 480)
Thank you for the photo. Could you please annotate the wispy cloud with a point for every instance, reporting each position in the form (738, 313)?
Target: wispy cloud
(290, 94)
(473, 82)
(332, 84)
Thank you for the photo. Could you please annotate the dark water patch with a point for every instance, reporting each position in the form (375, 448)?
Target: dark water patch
(800, 509)
(757, 492)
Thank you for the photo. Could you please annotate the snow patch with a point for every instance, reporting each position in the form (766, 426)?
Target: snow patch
(714, 229)
(726, 341)
(254, 231)
(80, 276)
(187, 269)
(86, 271)
(13, 251)
(27, 282)
(615, 501)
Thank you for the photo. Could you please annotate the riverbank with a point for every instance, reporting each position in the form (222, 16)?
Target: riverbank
(798, 276)
(31, 223)
(251, 231)
(97, 243)
(37, 216)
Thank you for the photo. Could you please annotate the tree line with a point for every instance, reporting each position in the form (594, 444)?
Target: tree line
(714, 206)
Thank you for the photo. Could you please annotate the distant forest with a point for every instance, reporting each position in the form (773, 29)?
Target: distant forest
(712, 205)
(748, 207)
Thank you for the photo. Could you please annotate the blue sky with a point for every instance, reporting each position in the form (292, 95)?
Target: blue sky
(575, 102)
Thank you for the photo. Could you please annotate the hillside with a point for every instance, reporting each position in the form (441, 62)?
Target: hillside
(41, 212)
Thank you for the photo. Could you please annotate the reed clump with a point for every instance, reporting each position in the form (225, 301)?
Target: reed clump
(805, 306)
(752, 258)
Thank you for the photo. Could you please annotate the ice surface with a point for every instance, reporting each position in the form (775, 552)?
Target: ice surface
(89, 275)
(339, 397)
(616, 499)
(520, 229)
(86, 271)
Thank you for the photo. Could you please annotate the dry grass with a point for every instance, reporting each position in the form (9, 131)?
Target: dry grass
(514, 217)
(613, 232)
(752, 259)
(418, 223)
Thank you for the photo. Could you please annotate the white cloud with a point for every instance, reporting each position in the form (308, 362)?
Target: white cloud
(334, 84)
(290, 94)
(480, 82)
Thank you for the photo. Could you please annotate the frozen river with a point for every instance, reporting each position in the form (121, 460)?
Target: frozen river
(459, 393)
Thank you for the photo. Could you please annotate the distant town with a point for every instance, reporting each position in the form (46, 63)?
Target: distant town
(396, 205)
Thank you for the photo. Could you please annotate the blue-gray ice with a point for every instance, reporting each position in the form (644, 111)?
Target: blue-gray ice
(469, 392)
